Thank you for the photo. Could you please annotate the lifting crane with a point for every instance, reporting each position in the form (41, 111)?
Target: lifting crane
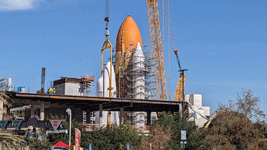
(217, 112)
(178, 95)
(107, 45)
(212, 117)
(157, 53)
(156, 49)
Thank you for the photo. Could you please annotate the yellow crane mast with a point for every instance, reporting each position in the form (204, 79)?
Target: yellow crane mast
(178, 95)
(156, 49)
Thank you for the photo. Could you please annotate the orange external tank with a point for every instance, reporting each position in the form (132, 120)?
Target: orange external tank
(127, 39)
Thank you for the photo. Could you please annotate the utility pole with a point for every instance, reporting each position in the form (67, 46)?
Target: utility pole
(183, 132)
(69, 113)
(182, 74)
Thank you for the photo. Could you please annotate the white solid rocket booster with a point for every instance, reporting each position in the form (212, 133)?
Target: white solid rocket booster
(99, 93)
(139, 82)
(139, 69)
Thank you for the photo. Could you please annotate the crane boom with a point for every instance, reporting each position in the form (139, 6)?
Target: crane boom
(212, 117)
(156, 49)
(178, 95)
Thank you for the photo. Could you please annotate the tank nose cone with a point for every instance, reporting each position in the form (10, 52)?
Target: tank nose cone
(128, 35)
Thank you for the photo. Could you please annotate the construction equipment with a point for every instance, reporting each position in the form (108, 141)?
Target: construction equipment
(157, 52)
(156, 49)
(217, 112)
(178, 95)
(107, 45)
(212, 117)
(196, 110)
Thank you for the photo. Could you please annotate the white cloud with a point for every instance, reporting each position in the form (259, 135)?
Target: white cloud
(8, 5)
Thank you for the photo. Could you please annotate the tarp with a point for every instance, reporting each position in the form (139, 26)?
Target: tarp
(61, 144)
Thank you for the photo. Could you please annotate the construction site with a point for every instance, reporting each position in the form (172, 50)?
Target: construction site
(132, 85)
(138, 75)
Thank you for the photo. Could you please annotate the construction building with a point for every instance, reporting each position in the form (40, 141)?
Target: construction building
(198, 113)
(74, 86)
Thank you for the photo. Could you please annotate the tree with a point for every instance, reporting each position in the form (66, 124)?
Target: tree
(262, 126)
(113, 137)
(3, 97)
(160, 137)
(37, 141)
(9, 140)
(107, 138)
(171, 125)
(237, 125)
(4, 100)
(248, 105)
(234, 131)
(197, 139)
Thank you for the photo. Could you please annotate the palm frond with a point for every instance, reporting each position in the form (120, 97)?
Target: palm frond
(10, 141)
(3, 96)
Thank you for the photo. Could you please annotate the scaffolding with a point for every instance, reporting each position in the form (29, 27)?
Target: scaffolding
(136, 81)
(128, 72)
(87, 83)
(149, 77)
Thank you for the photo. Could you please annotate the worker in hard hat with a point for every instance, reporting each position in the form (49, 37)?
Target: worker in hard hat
(51, 90)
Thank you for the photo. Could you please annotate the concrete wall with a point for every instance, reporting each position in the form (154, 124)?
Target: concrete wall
(200, 122)
(73, 89)
(187, 97)
(196, 100)
(68, 89)
(206, 110)
(59, 89)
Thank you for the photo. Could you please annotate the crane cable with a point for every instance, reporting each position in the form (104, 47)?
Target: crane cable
(106, 8)
(169, 47)
(171, 38)
(163, 5)
(192, 107)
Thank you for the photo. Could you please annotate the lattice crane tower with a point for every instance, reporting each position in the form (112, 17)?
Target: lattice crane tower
(156, 49)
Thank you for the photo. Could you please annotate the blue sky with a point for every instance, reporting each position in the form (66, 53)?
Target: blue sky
(223, 43)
